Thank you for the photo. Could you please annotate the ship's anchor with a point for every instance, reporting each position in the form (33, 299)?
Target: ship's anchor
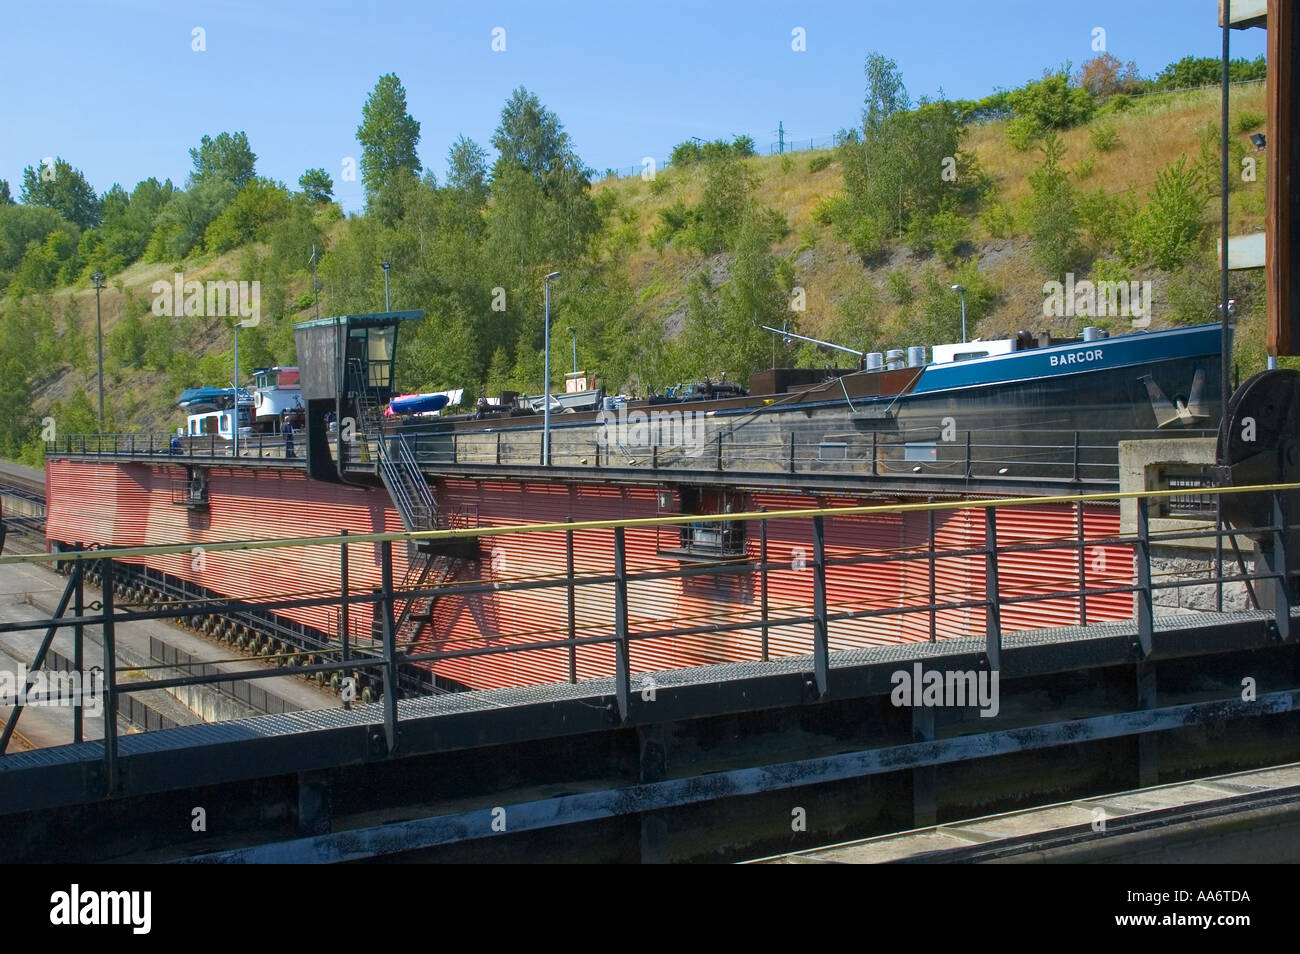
(1168, 412)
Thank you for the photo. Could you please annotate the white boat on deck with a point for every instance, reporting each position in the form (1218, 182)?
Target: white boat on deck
(276, 390)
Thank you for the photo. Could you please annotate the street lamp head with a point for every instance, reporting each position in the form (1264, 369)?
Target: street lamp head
(385, 265)
(959, 288)
(98, 279)
(552, 275)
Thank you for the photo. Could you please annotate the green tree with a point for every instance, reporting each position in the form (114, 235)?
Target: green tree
(129, 220)
(897, 174)
(317, 185)
(886, 93)
(532, 137)
(467, 171)
(228, 158)
(1192, 71)
(1052, 103)
(5, 197)
(1053, 211)
(1168, 228)
(20, 226)
(724, 204)
(180, 225)
(724, 332)
(64, 189)
(248, 215)
(388, 135)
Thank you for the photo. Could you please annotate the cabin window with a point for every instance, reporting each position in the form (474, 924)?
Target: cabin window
(921, 452)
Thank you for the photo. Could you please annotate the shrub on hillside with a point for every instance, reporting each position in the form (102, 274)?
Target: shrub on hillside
(1053, 216)
(948, 232)
(1104, 218)
(1168, 228)
(898, 285)
(1052, 103)
(827, 210)
(998, 221)
(1209, 163)
(246, 219)
(1248, 121)
(818, 163)
(1104, 136)
(1022, 132)
(686, 153)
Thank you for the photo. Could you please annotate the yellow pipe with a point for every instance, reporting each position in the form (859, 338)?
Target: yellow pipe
(415, 535)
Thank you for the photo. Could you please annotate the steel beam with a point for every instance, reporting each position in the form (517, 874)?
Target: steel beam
(433, 831)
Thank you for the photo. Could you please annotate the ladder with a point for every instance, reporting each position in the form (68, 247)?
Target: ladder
(398, 468)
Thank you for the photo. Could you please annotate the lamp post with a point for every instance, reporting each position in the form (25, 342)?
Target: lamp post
(98, 279)
(386, 266)
(574, 332)
(235, 428)
(546, 409)
(959, 288)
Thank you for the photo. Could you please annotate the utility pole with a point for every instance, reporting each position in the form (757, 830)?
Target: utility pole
(98, 279)
(780, 136)
(546, 407)
(385, 266)
(315, 282)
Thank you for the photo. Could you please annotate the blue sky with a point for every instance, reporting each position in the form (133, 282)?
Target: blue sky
(115, 87)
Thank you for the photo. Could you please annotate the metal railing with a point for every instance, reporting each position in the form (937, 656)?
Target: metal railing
(1062, 456)
(615, 577)
(209, 447)
(1072, 455)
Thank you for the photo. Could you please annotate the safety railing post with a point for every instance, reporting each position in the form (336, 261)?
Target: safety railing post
(968, 455)
(573, 618)
(78, 645)
(1145, 602)
(1076, 455)
(1083, 566)
(390, 648)
(345, 620)
(792, 452)
(934, 595)
(875, 458)
(1218, 551)
(993, 622)
(110, 676)
(1281, 584)
(622, 663)
(821, 641)
(762, 577)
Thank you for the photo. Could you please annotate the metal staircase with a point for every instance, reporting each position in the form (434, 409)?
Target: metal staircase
(415, 504)
(398, 467)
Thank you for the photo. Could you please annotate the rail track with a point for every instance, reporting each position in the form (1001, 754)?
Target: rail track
(22, 498)
(1138, 825)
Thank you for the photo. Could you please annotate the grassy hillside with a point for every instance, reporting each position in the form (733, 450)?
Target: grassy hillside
(859, 303)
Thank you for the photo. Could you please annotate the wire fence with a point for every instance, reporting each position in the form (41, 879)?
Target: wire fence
(790, 144)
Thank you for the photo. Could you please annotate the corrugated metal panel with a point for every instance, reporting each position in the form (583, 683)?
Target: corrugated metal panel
(131, 505)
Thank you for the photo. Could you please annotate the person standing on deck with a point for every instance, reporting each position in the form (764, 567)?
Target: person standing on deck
(287, 430)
